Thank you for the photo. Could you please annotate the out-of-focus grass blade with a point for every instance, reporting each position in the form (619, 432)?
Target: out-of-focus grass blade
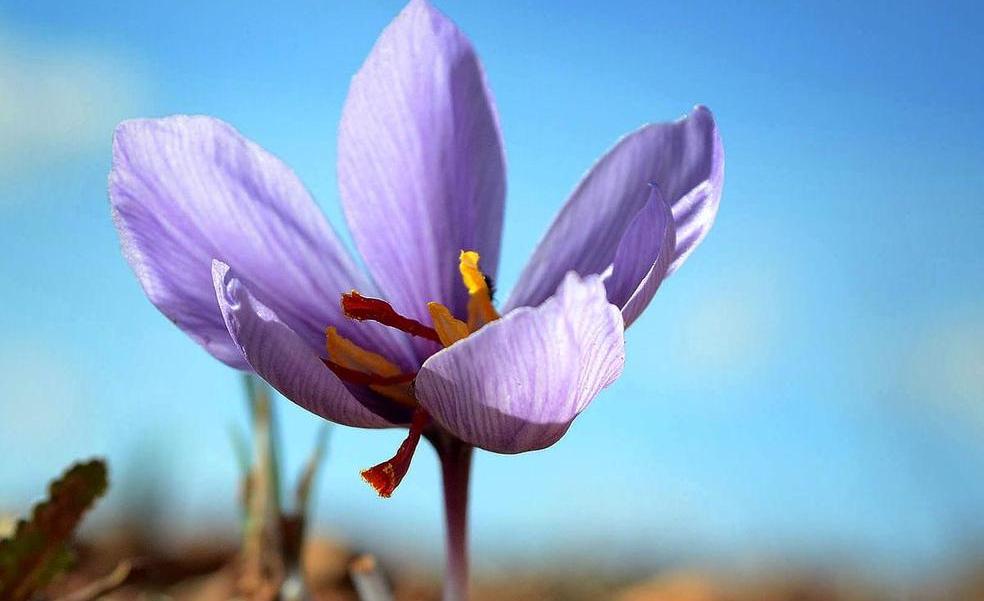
(240, 447)
(306, 481)
(368, 580)
(266, 447)
(100, 587)
(261, 563)
(294, 526)
(38, 551)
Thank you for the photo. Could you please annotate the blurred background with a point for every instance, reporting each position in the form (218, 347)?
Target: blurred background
(806, 394)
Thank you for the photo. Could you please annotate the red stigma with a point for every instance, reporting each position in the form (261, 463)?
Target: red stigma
(360, 377)
(356, 306)
(386, 476)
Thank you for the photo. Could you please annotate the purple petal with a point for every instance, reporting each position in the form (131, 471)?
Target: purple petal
(420, 162)
(642, 258)
(516, 384)
(279, 356)
(185, 190)
(684, 158)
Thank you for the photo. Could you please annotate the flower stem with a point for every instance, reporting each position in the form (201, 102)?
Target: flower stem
(455, 468)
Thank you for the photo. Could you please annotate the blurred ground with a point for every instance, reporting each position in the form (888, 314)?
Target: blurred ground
(205, 572)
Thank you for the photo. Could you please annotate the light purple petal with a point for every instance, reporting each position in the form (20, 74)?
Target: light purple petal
(279, 356)
(684, 158)
(642, 258)
(516, 384)
(185, 190)
(420, 162)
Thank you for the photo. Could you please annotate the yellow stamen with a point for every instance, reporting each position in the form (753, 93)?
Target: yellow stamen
(480, 309)
(449, 329)
(348, 354)
(470, 273)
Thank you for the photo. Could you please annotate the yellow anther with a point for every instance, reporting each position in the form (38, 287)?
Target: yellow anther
(348, 354)
(470, 273)
(449, 329)
(480, 309)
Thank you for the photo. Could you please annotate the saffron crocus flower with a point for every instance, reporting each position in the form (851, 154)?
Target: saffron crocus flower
(230, 246)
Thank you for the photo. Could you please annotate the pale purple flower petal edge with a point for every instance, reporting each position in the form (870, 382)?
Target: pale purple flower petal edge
(421, 169)
(185, 190)
(279, 356)
(642, 258)
(684, 158)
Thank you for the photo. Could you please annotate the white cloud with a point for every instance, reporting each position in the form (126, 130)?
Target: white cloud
(946, 365)
(42, 397)
(58, 101)
(732, 327)
(46, 419)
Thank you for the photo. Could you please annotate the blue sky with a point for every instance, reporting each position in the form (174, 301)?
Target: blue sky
(810, 384)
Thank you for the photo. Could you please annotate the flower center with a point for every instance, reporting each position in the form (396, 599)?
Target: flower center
(356, 365)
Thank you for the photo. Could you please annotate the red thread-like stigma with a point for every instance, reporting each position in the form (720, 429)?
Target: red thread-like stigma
(356, 306)
(386, 476)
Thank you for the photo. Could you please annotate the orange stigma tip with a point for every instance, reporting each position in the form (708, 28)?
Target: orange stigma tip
(356, 306)
(360, 377)
(385, 477)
